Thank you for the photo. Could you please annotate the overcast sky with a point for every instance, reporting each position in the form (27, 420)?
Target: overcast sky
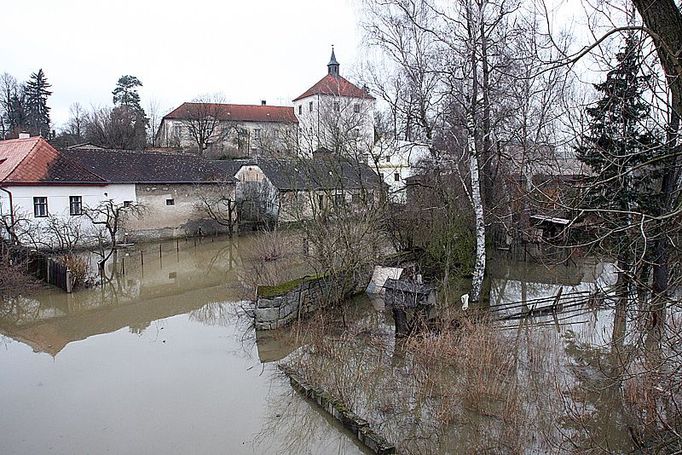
(248, 50)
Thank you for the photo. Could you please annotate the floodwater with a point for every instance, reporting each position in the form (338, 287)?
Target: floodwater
(156, 361)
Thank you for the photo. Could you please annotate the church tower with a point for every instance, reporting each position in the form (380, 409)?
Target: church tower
(335, 114)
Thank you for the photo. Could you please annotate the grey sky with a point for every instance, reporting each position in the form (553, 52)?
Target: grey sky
(253, 50)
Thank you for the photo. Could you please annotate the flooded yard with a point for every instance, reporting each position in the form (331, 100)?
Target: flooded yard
(157, 361)
(161, 359)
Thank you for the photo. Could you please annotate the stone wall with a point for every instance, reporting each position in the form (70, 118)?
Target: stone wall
(278, 306)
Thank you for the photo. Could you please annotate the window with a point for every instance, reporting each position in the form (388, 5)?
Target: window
(310, 106)
(170, 201)
(127, 203)
(320, 200)
(381, 175)
(339, 199)
(39, 206)
(388, 159)
(177, 131)
(75, 205)
(300, 109)
(337, 106)
(256, 134)
(356, 108)
(396, 177)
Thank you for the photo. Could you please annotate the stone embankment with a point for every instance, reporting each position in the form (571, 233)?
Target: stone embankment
(338, 410)
(280, 305)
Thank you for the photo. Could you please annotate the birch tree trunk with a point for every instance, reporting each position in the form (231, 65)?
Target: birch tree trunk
(477, 202)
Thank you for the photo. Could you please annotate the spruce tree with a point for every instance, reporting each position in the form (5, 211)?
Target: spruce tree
(619, 141)
(37, 111)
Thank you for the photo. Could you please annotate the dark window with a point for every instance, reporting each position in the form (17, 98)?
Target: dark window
(127, 203)
(388, 159)
(300, 109)
(339, 199)
(356, 108)
(310, 106)
(256, 134)
(39, 206)
(320, 200)
(75, 205)
(337, 106)
(381, 175)
(170, 201)
(396, 176)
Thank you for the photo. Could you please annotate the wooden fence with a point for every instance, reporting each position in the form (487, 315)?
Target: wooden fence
(40, 265)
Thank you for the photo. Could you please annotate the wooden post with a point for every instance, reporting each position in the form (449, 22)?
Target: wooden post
(69, 284)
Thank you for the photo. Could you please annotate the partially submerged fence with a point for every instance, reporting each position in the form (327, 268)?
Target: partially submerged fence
(40, 265)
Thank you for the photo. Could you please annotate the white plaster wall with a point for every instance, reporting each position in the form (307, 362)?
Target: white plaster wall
(274, 135)
(312, 122)
(58, 203)
(402, 158)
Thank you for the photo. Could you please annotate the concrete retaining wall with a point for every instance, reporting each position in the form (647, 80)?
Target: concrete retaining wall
(335, 408)
(312, 294)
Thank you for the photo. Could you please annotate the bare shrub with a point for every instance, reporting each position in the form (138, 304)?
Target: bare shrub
(79, 267)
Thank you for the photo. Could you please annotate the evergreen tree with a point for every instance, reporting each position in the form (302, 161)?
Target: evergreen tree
(125, 93)
(619, 141)
(37, 111)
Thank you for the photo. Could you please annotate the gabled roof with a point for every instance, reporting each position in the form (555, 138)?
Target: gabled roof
(319, 174)
(335, 85)
(33, 160)
(126, 166)
(235, 112)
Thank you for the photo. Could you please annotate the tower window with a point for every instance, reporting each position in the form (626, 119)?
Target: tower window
(337, 106)
(356, 108)
(396, 177)
(170, 201)
(310, 106)
(300, 109)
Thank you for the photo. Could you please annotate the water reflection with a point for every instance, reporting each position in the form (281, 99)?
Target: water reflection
(157, 360)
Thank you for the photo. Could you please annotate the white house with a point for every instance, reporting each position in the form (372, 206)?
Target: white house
(41, 189)
(396, 161)
(232, 130)
(335, 114)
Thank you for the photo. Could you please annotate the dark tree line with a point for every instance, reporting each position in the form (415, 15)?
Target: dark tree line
(121, 126)
(23, 106)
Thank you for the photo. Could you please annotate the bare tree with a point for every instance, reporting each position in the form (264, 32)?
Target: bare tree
(219, 204)
(204, 121)
(110, 217)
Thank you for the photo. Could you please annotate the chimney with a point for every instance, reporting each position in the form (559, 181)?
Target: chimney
(24, 135)
(263, 102)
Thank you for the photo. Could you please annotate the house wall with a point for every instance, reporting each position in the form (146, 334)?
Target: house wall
(401, 158)
(183, 218)
(58, 204)
(317, 125)
(258, 138)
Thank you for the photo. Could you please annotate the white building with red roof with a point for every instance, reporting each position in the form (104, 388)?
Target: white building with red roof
(229, 130)
(335, 114)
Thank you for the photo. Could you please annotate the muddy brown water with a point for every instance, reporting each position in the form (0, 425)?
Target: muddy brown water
(157, 361)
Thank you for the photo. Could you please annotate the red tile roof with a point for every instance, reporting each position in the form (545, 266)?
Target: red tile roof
(337, 86)
(34, 160)
(237, 112)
